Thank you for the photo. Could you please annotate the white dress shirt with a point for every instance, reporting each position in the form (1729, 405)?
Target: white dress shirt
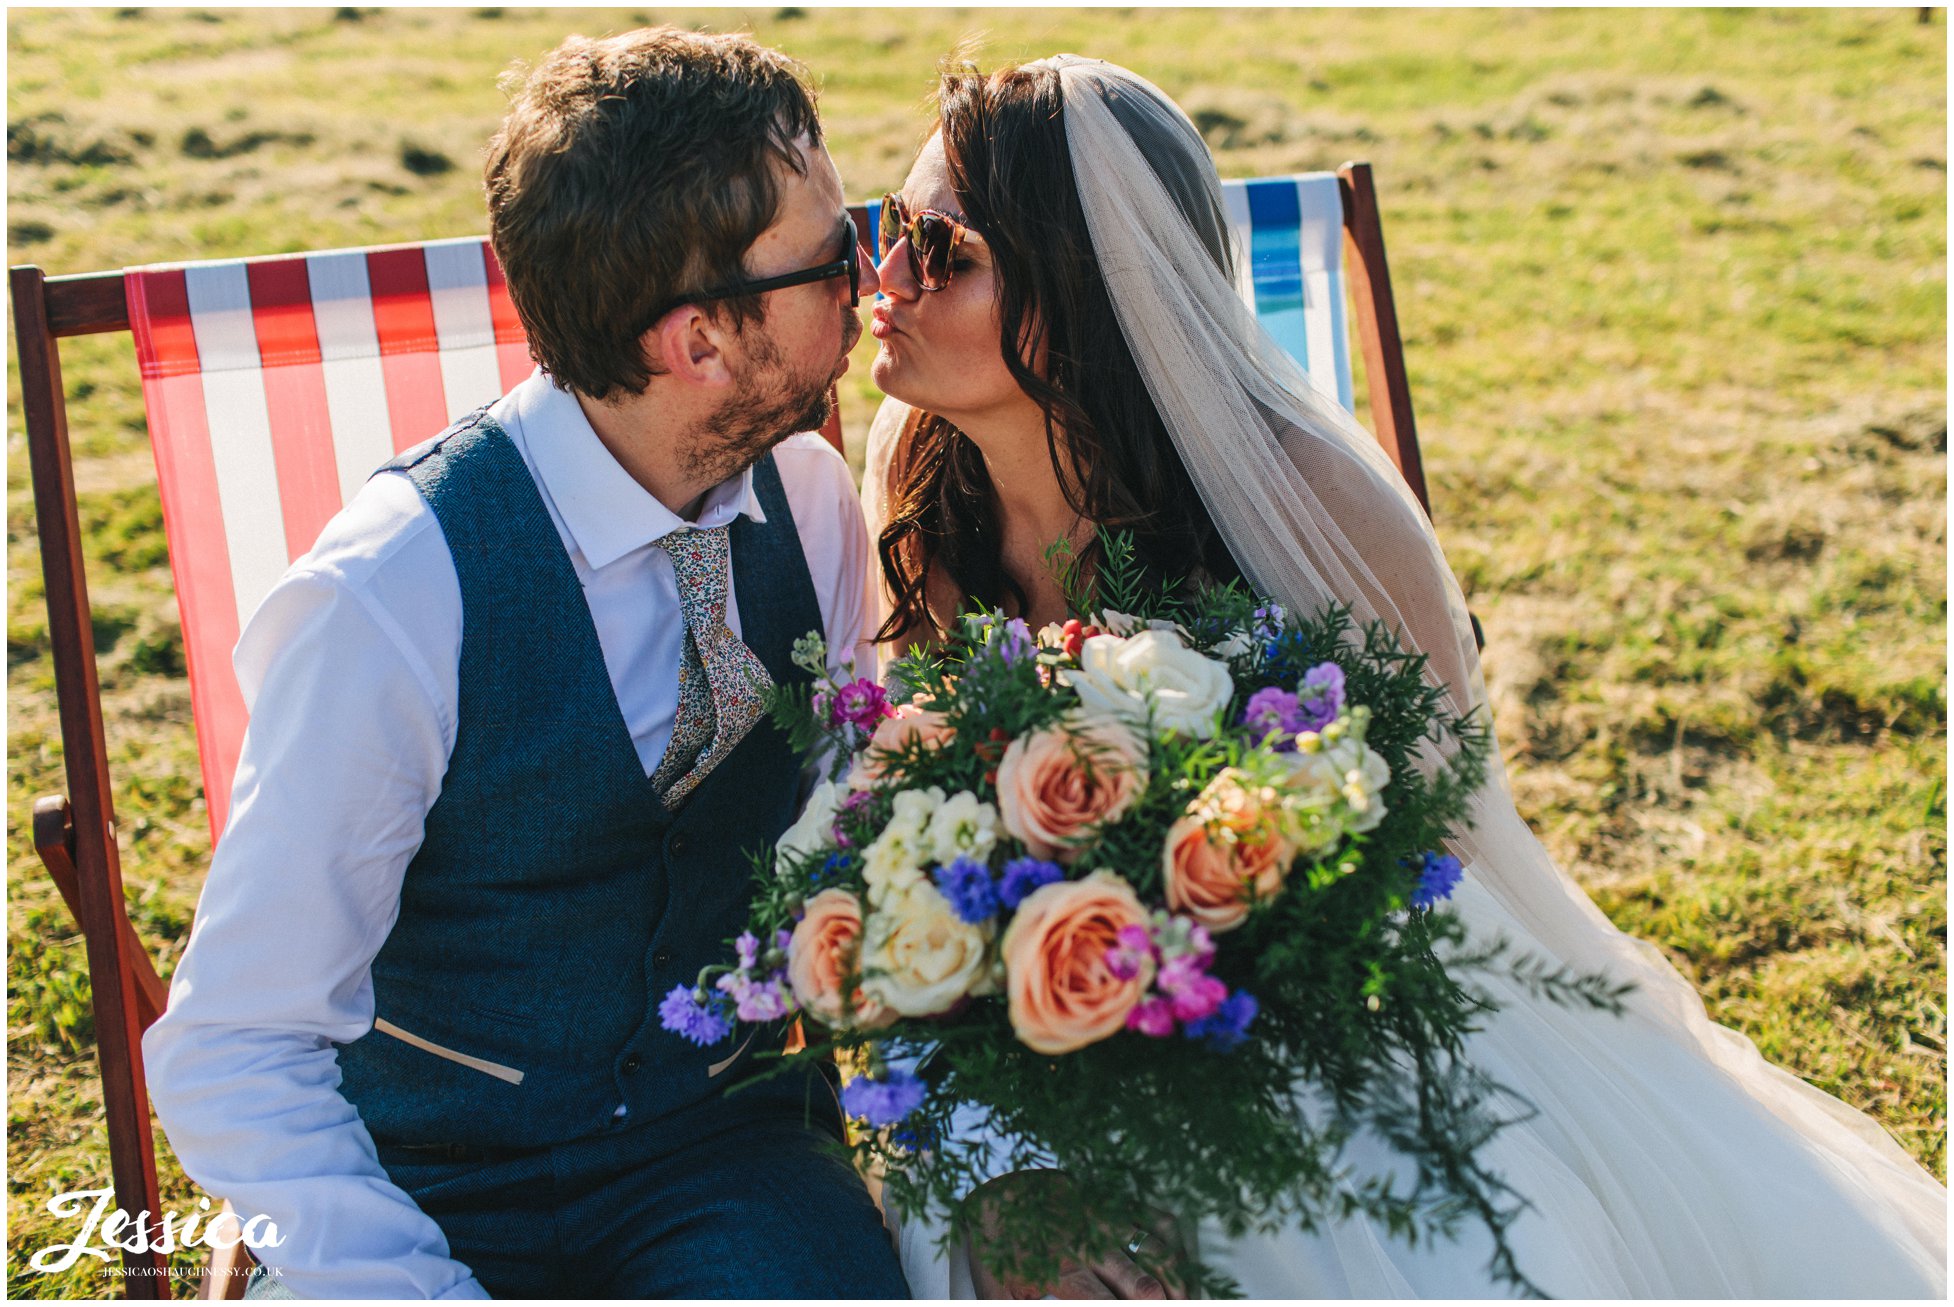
(350, 669)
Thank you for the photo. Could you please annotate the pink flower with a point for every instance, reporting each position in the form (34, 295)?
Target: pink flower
(859, 703)
(1198, 998)
(1154, 1017)
(1131, 951)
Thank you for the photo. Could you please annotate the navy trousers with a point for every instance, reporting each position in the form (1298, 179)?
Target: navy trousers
(731, 1199)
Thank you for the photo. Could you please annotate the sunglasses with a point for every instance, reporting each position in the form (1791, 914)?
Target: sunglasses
(849, 265)
(933, 240)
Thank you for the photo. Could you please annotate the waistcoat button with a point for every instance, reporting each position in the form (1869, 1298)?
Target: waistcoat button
(678, 844)
(662, 958)
(631, 1064)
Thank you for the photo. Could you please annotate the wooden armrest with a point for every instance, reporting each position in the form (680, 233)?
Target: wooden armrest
(54, 840)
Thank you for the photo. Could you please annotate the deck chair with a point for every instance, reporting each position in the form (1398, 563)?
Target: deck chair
(273, 387)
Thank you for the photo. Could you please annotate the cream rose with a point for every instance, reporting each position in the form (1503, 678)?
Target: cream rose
(1120, 677)
(1063, 995)
(822, 954)
(1056, 785)
(813, 830)
(920, 956)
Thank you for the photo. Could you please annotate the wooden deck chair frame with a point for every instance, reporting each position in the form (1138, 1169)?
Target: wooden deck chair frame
(74, 833)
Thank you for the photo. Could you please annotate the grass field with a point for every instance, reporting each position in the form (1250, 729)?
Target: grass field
(1673, 285)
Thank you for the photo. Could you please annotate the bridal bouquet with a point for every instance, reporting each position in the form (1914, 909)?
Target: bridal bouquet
(1151, 898)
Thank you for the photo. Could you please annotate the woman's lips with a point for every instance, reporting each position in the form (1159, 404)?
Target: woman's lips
(880, 326)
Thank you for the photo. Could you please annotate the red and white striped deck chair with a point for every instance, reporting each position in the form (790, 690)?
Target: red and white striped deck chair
(274, 386)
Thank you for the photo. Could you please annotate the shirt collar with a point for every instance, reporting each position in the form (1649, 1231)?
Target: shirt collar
(606, 511)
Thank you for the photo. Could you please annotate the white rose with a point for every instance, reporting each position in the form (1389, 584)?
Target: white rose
(1351, 773)
(813, 830)
(1117, 623)
(964, 827)
(919, 957)
(893, 862)
(1119, 677)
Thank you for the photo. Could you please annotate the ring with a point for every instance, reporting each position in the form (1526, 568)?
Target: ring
(1138, 1241)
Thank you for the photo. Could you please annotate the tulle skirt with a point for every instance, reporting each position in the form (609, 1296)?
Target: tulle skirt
(1666, 1159)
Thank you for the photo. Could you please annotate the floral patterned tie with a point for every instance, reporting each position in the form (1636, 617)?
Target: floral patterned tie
(720, 680)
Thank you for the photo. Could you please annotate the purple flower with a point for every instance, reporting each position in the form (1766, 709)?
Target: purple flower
(1227, 1026)
(1274, 711)
(967, 884)
(1153, 1017)
(1130, 955)
(860, 703)
(1437, 879)
(684, 1015)
(764, 999)
(748, 948)
(1268, 622)
(883, 1102)
(1320, 696)
(1022, 876)
(1015, 642)
(1198, 999)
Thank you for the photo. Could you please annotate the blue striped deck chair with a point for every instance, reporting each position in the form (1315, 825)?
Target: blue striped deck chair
(1307, 248)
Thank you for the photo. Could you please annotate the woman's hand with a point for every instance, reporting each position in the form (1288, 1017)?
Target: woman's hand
(1150, 1268)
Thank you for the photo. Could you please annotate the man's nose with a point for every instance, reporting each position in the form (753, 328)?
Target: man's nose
(871, 279)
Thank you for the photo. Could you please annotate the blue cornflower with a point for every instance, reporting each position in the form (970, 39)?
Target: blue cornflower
(1022, 876)
(1227, 1026)
(837, 866)
(1436, 879)
(883, 1102)
(685, 1016)
(967, 884)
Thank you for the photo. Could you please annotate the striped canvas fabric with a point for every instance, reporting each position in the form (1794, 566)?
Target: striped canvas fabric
(275, 386)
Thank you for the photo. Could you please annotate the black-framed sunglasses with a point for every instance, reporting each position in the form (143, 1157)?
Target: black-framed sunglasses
(933, 240)
(849, 265)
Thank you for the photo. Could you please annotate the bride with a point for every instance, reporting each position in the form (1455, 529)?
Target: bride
(1063, 347)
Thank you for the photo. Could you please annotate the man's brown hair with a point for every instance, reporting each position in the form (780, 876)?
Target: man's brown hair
(630, 172)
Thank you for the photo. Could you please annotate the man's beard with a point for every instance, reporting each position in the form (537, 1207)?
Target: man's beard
(766, 410)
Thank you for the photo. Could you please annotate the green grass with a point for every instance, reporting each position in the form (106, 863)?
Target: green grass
(1673, 289)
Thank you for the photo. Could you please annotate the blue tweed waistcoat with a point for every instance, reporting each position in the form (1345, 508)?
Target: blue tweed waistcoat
(554, 900)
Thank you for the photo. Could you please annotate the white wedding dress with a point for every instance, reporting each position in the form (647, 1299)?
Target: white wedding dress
(1666, 1158)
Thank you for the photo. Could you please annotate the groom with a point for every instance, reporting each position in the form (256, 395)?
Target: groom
(506, 762)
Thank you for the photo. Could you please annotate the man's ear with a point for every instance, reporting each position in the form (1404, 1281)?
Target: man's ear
(689, 345)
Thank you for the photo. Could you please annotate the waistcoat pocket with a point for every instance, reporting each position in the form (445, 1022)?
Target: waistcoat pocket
(486, 1067)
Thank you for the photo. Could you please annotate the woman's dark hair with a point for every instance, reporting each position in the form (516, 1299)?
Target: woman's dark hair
(630, 172)
(1004, 141)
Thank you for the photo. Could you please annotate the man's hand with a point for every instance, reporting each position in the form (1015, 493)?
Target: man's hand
(1149, 1268)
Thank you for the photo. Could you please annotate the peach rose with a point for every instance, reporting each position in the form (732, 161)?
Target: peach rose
(822, 955)
(1055, 785)
(1227, 850)
(1063, 995)
(910, 726)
